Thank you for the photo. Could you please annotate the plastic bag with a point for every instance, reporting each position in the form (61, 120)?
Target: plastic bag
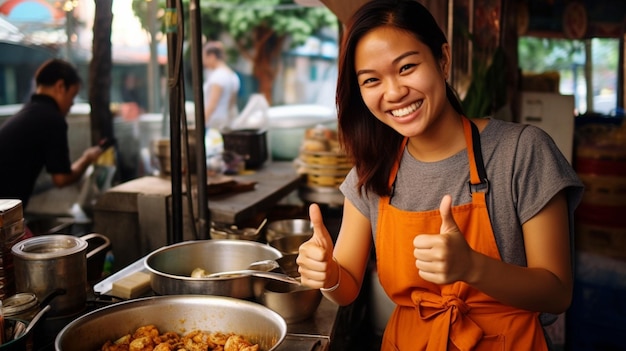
(254, 114)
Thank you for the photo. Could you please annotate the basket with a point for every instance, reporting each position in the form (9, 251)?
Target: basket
(325, 158)
(328, 171)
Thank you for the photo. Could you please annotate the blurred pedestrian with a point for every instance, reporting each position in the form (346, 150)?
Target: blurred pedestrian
(220, 89)
(131, 107)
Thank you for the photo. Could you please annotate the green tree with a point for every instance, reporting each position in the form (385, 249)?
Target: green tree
(538, 55)
(260, 29)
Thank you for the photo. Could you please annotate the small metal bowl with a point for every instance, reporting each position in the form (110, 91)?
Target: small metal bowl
(288, 227)
(289, 245)
(222, 232)
(294, 303)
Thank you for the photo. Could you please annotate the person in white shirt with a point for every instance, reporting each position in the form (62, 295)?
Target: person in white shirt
(220, 88)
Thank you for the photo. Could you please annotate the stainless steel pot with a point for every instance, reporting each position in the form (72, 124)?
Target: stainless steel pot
(48, 262)
(181, 314)
(170, 267)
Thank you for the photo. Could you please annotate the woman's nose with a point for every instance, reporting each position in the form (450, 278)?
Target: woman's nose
(395, 90)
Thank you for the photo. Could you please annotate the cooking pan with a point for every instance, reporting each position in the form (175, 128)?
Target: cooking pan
(170, 267)
(181, 314)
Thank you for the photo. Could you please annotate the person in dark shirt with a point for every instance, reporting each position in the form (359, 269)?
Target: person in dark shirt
(36, 136)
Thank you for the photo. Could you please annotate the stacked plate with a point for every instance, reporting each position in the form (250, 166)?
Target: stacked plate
(324, 164)
(11, 232)
(321, 159)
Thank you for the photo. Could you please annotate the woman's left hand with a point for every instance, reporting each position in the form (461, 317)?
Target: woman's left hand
(446, 257)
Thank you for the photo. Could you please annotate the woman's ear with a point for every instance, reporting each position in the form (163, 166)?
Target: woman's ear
(446, 60)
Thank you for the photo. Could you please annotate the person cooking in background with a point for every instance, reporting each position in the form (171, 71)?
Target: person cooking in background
(471, 220)
(36, 136)
(220, 88)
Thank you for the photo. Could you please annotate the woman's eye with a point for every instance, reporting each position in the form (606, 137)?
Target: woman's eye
(407, 67)
(368, 81)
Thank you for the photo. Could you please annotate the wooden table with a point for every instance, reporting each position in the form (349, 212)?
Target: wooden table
(273, 182)
(136, 215)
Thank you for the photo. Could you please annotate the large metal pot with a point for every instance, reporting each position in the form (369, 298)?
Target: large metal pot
(181, 314)
(170, 267)
(49, 262)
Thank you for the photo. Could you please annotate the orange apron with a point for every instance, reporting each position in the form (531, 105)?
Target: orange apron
(455, 316)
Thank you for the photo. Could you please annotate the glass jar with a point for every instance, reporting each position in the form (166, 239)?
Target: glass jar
(20, 306)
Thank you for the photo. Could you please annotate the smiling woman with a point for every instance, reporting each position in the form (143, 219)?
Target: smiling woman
(30, 11)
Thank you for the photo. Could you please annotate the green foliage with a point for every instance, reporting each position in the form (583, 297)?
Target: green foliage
(240, 18)
(487, 91)
(538, 55)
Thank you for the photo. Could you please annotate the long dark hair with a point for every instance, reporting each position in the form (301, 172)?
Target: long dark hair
(373, 145)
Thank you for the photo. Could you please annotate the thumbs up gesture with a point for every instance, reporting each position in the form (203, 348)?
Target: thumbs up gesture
(315, 256)
(443, 258)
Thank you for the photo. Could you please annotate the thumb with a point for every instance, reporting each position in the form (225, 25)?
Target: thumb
(320, 234)
(448, 224)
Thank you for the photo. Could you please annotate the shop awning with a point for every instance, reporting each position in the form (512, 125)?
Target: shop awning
(19, 54)
(30, 11)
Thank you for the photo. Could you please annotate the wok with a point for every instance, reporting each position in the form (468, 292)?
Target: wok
(170, 267)
(181, 314)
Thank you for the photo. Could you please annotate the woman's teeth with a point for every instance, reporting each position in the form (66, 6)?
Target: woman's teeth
(406, 110)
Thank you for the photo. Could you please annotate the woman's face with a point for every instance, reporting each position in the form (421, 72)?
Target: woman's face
(400, 80)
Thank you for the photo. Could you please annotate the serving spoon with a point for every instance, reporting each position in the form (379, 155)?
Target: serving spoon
(262, 274)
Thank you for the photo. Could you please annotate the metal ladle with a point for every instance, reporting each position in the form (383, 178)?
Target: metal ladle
(262, 274)
(263, 265)
(262, 268)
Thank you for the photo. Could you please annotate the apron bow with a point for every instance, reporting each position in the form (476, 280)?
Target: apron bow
(450, 321)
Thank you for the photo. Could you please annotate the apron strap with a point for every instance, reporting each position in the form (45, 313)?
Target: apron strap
(394, 169)
(478, 175)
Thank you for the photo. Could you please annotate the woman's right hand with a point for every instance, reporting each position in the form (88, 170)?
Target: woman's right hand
(315, 259)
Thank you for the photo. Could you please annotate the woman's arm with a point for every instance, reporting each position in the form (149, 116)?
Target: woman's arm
(215, 91)
(544, 286)
(351, 252)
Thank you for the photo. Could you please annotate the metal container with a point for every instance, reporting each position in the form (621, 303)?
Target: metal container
(181, 314)
(289, 245)
(287, 227)
(234, 233)
(45, 263)
(295, 303)
(170, 267)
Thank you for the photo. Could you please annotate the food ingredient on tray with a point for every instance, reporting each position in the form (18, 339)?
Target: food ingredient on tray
(148, 337)
(131, 286)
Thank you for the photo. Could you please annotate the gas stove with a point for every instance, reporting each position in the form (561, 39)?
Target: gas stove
(301, 336)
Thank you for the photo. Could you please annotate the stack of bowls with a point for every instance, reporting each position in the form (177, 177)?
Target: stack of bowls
(294, 303)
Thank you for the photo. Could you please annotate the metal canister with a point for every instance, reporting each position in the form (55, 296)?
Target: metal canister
(45, 263)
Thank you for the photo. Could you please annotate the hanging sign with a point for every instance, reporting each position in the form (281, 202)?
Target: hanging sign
(170, 20)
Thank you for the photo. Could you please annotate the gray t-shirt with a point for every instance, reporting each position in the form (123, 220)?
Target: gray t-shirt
(525, 170)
